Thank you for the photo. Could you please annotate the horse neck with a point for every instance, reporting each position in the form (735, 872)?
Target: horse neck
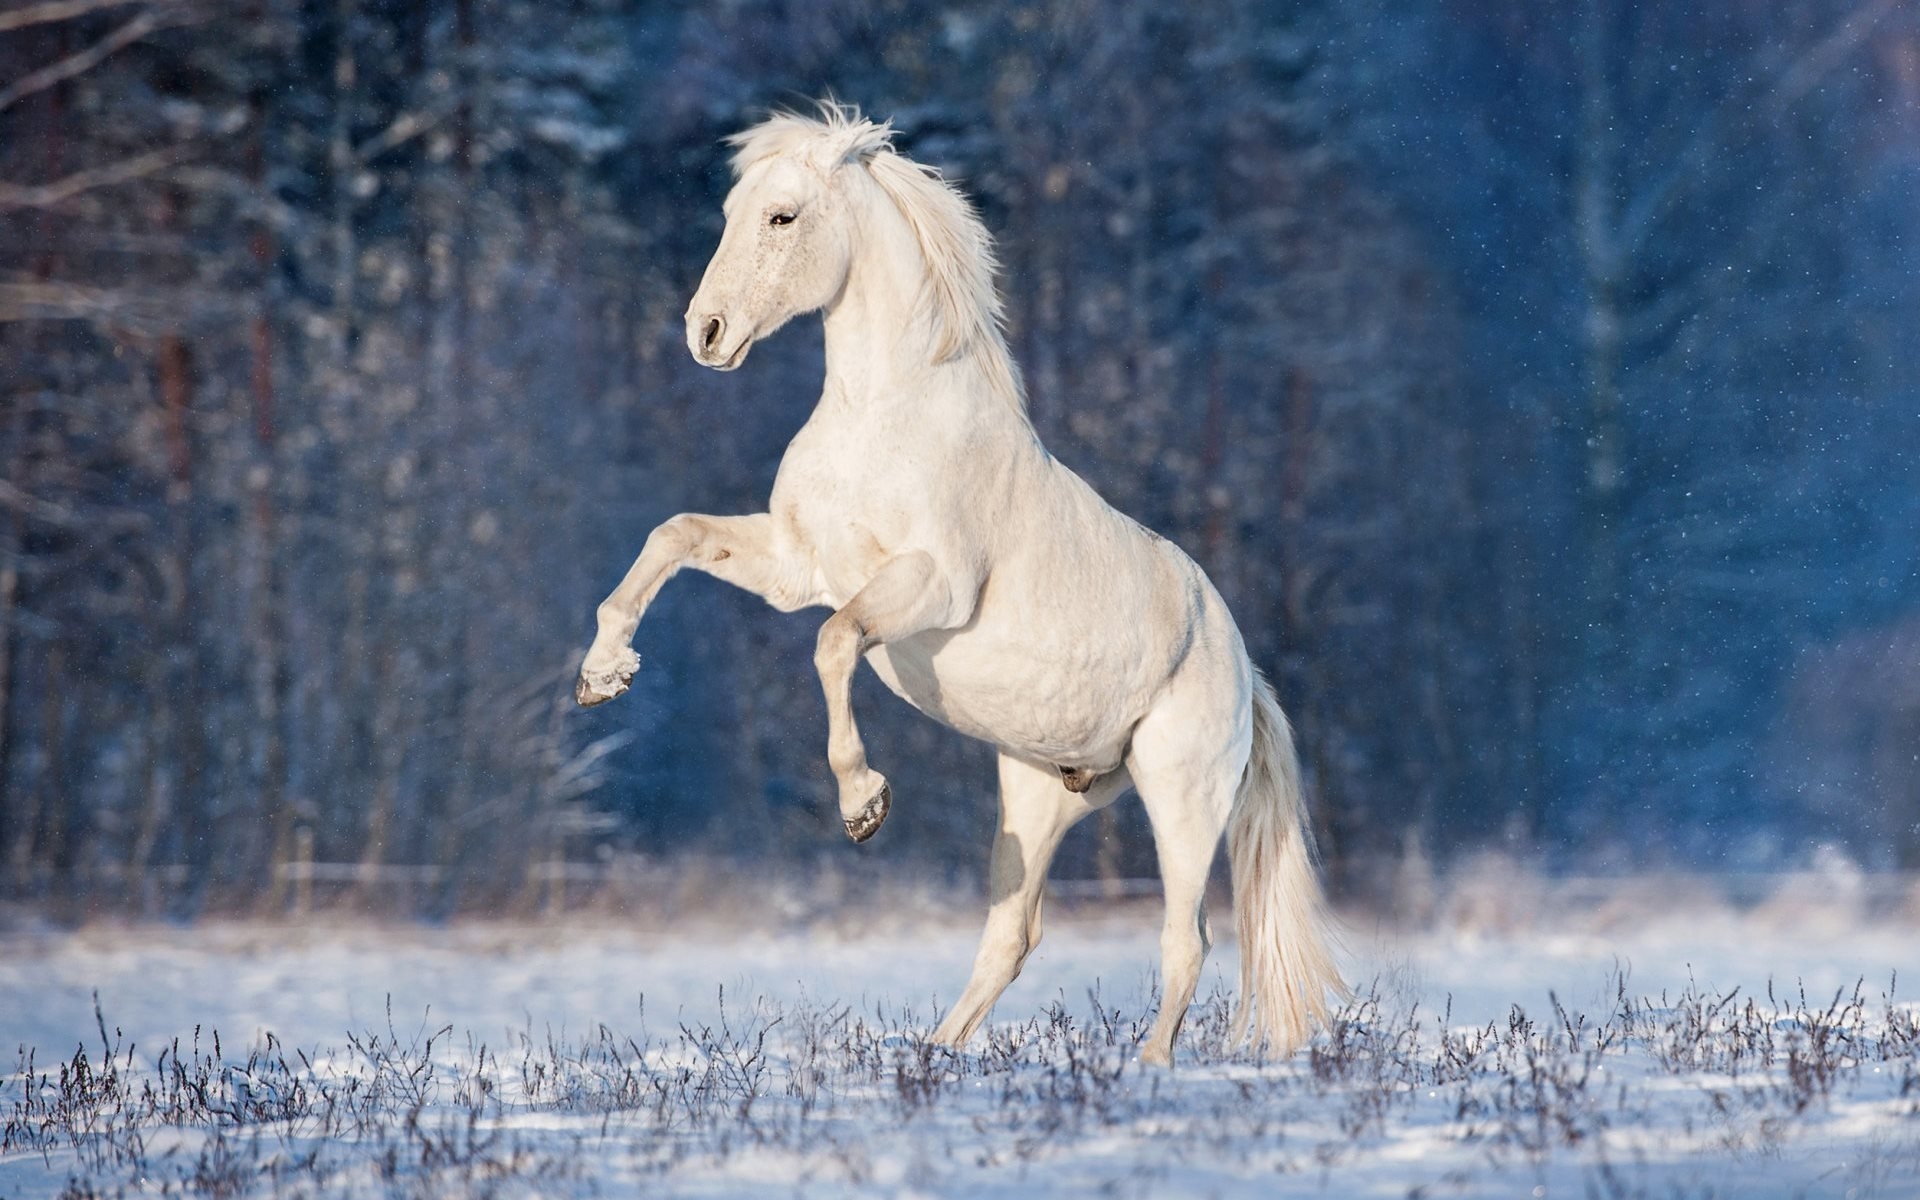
(872, 330)
(879, 343)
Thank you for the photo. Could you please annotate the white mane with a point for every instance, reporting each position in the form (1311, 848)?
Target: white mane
(960, 300)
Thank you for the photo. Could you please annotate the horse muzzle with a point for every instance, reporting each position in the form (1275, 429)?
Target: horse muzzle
(716, 343)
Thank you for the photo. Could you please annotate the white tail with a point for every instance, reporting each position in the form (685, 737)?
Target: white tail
(1286, 963)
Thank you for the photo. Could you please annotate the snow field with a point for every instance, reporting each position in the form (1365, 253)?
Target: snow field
(1633, 1050)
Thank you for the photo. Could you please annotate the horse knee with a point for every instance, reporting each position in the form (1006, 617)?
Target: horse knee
(674, 537)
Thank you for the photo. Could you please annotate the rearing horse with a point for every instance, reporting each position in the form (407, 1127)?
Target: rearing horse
(985, 583)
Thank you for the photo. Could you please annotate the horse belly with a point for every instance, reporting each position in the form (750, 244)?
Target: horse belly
(1075, 711)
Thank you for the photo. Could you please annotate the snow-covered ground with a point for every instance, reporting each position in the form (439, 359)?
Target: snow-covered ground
(1498, 1054)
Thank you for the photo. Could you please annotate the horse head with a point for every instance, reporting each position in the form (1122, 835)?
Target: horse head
(790, 236)
(817, 199)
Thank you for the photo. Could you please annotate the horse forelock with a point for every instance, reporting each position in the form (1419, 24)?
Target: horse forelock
(837, 135)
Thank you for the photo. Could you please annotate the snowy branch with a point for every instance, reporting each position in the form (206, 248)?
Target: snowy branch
(50, 195)
(80, 61)
(1709, 140)
(14, 499)
(404, 129)
(42, 300)
(1806, 71)
(55, 10)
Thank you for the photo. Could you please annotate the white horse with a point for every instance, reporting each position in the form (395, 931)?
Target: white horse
(984, 582)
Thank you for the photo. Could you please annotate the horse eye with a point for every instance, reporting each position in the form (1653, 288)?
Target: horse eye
(781, 218)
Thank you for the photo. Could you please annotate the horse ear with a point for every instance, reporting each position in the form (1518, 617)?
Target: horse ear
(856, 142)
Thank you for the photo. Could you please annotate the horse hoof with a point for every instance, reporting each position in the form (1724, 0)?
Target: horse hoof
(864, 826)
(598, 687)
(1077, 779)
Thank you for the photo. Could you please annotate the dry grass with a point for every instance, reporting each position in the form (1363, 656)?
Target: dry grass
(818, 1095)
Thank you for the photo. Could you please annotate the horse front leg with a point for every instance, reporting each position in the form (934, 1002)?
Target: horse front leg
(740, 550)
(907, 595)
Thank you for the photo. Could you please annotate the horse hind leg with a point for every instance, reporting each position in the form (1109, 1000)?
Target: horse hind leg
(1187, 782)
(1035, 813)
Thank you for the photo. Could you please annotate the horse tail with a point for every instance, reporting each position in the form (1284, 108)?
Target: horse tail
(1286, 956)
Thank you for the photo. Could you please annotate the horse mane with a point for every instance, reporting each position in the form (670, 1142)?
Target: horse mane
(960, 299)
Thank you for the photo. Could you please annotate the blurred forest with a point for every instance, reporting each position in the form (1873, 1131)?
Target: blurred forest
(1538, 383)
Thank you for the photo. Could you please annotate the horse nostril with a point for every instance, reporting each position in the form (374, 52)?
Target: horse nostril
(710, 334)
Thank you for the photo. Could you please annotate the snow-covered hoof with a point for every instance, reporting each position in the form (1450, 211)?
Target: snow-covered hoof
(599, 685)
(866, 822)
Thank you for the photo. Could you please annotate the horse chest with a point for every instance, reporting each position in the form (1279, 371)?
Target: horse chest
(850, 500)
